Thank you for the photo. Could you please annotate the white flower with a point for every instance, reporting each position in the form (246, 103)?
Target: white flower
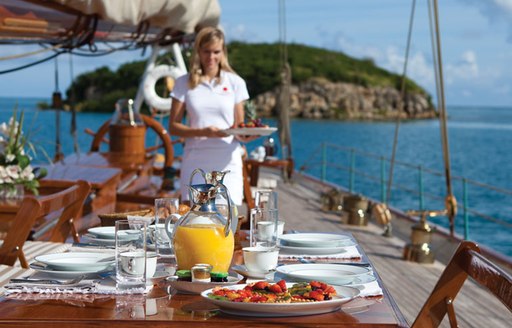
(13, 171)
(10, 158)
(27, 174)
(4, 129)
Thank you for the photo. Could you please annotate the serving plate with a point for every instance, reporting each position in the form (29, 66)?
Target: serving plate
(345, 294)
(315, 240)
(315, 250)
(77, 261)
(251, 131)
(187, 287)
(336, 274)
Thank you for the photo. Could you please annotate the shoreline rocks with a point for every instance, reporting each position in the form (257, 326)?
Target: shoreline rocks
(319, 98)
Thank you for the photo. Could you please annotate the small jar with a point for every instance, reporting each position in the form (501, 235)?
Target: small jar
(184, 275)
(219, 276)
(201, 272)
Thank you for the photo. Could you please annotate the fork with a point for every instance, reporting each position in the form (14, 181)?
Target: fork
(48, 281)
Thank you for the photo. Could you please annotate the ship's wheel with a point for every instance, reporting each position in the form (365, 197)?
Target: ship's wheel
(161, 132)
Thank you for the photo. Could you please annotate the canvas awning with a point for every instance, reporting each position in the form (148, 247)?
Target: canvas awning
(154, 21)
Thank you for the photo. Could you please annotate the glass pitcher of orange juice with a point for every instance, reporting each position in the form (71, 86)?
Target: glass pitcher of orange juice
(203, 235)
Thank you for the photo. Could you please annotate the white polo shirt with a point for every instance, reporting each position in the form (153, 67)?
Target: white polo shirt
(211, 104)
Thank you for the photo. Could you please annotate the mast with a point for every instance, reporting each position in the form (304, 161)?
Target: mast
(450, 200)
(283, 101)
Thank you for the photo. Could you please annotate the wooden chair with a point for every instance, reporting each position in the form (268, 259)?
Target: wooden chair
(467, 261)
(66, 203)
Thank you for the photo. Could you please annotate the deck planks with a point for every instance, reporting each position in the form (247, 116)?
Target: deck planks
(409, 283)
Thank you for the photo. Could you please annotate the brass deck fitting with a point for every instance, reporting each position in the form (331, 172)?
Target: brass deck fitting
(419, 249)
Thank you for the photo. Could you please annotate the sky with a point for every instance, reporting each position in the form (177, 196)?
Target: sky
(476, 43)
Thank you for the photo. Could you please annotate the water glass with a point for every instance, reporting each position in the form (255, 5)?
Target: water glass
(264, 227)
(266, 199)
(130, 254)
(164, 208)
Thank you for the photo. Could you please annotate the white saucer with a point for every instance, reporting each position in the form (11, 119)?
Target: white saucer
(246, 273)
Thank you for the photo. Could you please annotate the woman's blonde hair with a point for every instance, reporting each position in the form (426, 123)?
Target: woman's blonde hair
(205, 37)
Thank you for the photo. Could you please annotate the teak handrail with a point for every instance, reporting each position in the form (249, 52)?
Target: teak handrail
(467, 261)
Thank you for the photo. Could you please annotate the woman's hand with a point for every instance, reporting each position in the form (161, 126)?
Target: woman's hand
(214, 132)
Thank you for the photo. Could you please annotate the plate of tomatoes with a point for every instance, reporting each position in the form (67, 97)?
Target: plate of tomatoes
(281, 299)
(252, 128)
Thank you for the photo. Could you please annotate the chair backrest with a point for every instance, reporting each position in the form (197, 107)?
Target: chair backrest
(68, 203)
(467, 261)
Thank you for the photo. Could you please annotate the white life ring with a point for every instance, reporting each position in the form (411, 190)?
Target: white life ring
(153, 100)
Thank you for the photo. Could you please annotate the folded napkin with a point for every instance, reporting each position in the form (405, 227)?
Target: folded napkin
(86, 286)
(371, 289)
(351, 252)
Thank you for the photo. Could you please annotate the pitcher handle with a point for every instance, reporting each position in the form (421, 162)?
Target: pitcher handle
(203, 174)
(227, 227)
(168, 231)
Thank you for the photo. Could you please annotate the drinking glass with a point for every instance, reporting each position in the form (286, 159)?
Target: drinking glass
(131, 254)
(164, 208)
(266, 199)
(264, 227)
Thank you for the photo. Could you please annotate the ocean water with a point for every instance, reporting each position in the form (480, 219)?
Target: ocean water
(479, 142)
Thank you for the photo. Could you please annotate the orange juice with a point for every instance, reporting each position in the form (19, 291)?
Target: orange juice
(203, 243)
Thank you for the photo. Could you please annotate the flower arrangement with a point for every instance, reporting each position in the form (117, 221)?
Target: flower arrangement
(15, 168)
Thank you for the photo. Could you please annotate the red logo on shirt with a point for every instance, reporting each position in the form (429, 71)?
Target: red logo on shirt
(225, 89)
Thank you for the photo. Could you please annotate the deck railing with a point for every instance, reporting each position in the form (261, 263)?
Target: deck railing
(484, 209)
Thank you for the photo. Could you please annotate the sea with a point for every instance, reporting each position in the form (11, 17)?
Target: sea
(479, 140)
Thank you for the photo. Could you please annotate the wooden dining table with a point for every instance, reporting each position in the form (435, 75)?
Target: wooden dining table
(163, 306)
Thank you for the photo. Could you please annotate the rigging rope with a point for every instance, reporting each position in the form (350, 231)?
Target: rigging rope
(400, 103)
(31, 53)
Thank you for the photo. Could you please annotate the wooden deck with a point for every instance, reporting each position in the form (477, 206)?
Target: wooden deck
(409, 283)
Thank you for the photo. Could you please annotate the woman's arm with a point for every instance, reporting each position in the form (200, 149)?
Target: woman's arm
(177, 128)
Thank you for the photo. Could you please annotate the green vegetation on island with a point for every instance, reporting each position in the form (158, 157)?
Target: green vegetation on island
(258, 64)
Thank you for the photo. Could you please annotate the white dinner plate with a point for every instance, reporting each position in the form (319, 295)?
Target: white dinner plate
(337, 274)
(110, 233)
(251, 131)
(316, 240)
(77, 261)
(315, 250)
(345, 294)
(188, 287)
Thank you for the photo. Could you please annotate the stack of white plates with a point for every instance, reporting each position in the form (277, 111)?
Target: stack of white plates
(314, 243)
(73, 263)
(107, 235)
(336, 274)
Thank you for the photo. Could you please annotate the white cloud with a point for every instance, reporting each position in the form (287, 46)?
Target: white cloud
(497, 11)
(464, 69)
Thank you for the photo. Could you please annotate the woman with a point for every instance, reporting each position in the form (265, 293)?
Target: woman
(213, 96)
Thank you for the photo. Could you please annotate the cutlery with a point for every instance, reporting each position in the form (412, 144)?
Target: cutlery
(47, 281)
